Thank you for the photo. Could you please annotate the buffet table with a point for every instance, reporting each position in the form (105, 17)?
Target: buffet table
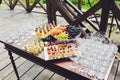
(61, 67)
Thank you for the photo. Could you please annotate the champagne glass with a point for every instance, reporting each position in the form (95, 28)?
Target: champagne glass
(73, 65)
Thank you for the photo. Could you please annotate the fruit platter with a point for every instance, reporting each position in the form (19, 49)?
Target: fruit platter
(58, 32)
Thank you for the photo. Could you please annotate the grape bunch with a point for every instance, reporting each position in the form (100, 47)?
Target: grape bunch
(73, 31)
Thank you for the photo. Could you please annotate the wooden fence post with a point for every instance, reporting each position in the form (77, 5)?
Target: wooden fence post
(80, 4)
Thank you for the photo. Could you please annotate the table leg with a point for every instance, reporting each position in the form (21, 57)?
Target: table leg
(116, 70)
(13, 63)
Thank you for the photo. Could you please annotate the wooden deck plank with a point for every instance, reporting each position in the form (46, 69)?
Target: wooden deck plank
(45, 75)
(30, 75)
(1, 45)
(3, 55)
(23, 68)
(6, 60)
(57, 77)
(2, 50)
(9, 69)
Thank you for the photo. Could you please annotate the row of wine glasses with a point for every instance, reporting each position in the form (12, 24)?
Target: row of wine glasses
(23, 32)
(18, 36)
(94, 56)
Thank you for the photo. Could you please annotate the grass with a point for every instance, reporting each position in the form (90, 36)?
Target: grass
(118, 3)
(85, 4)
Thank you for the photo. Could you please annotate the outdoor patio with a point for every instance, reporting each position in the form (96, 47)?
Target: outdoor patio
(10, 21)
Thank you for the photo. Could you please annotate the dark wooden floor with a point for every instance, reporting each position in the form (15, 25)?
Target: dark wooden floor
(10, 20)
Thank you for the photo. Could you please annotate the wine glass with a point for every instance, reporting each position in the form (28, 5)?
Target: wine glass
(75, 61)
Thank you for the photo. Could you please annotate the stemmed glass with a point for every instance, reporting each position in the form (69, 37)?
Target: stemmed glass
(17, 36)
(74, 59)
(95, 56)
(8, 40)
(73, 65)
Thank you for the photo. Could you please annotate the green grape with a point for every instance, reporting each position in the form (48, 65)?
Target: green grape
(62, 36)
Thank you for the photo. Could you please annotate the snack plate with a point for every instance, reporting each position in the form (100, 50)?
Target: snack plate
(59, 51)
